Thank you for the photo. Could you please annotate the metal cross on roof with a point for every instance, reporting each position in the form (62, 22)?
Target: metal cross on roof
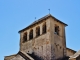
(35, 18)
(49, 11)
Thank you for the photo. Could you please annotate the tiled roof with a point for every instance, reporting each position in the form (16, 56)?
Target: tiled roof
(9, 57)
(25, 55)
(71, 50)
(41, 19)
(75, 55)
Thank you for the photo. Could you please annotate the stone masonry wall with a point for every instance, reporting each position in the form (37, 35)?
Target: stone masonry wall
(58, 46)
(40, 45)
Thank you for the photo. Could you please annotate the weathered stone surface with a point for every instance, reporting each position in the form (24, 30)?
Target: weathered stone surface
(18, 57)
(48, 46)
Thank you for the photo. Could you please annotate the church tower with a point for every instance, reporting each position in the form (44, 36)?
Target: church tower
(44, 38)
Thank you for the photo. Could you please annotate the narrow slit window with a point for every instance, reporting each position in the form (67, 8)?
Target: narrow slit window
(37, 31)
(25, 37)
(44, 28)
(31, 34)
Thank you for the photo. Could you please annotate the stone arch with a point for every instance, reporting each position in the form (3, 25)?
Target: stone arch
(25, 37)
(31, 34)
(38, 31)
(44, 28)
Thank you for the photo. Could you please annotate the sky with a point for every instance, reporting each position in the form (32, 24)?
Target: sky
(17, 14)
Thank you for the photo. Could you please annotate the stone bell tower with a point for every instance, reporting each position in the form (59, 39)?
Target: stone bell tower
(45, 38)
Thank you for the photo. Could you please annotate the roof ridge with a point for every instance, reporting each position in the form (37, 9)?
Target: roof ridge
(41, 19)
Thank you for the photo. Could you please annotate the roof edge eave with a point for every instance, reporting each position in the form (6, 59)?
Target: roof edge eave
(41, 19)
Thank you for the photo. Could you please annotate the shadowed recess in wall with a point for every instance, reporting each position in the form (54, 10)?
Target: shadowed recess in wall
(34, 56)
